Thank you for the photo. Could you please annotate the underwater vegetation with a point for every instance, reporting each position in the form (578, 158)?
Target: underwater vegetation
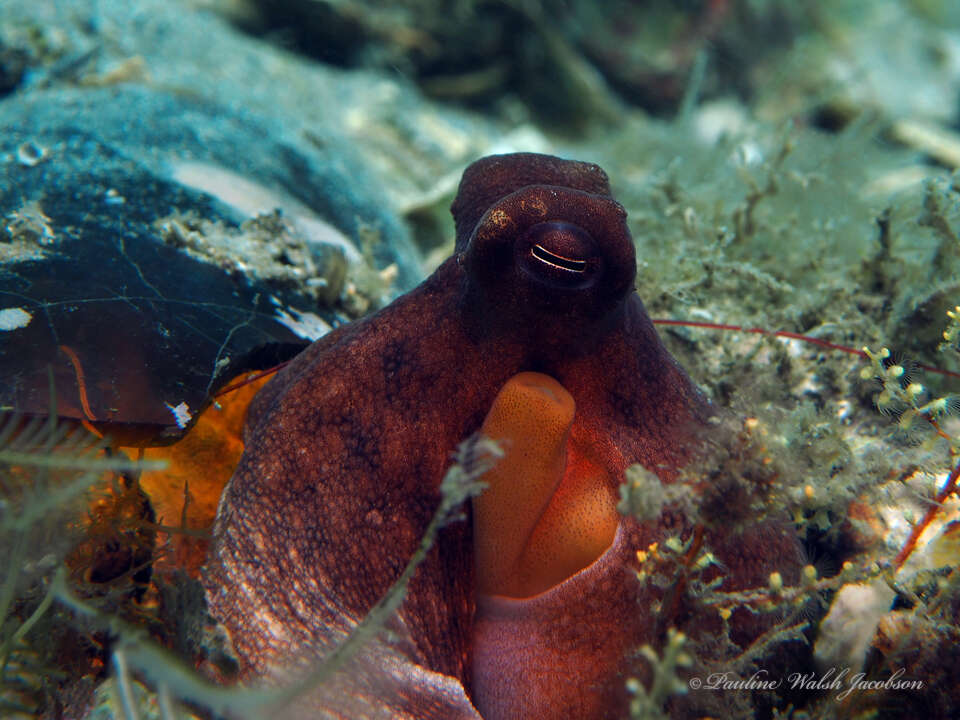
(752, 475)
(783, 166)
(541, 280)
(60, 520)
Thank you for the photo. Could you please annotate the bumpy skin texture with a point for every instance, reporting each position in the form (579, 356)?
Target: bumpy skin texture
(347, 445)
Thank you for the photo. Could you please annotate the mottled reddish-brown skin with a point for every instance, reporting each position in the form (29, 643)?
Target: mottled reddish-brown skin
(347, 446)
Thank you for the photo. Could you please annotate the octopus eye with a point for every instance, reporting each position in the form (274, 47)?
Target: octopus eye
(559, 254)
(558, 261)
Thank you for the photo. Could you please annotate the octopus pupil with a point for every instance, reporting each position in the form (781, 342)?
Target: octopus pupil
(558, 261)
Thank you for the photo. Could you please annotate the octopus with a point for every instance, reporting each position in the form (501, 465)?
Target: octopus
(532, 334)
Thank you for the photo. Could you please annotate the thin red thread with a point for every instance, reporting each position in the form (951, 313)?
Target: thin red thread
(792, 336)
(81, 382)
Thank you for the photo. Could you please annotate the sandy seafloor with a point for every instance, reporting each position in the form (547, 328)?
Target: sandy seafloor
(782, 168)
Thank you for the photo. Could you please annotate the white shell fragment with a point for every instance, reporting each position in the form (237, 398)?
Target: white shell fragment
(14, 318)
(181, 413)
